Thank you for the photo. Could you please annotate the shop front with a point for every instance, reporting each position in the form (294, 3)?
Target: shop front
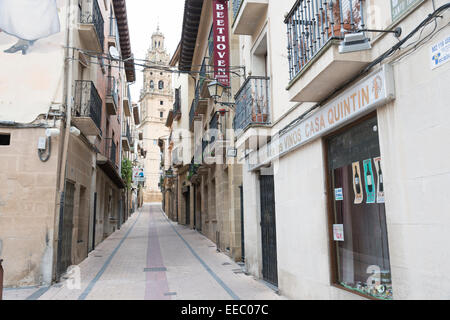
(344, 153)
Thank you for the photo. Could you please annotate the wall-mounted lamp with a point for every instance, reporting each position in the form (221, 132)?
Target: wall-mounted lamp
(216, 90)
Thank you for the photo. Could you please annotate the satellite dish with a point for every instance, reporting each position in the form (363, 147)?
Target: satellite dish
(114, 53)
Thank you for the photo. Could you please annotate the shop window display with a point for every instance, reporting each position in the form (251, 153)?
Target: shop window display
(358, 211)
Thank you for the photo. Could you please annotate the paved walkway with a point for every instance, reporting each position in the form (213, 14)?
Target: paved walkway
(153, 258)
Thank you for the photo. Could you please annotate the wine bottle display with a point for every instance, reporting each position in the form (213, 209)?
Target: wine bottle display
(380, 179)
(369, 181)
(357, 184)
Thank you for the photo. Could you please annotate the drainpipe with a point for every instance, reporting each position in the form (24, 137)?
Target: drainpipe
(65, 143)
(1, 280)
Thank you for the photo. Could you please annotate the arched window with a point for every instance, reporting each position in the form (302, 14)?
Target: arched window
(152, 85)
(161, 85)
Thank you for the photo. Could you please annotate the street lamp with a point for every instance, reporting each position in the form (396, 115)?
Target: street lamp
(216, 90)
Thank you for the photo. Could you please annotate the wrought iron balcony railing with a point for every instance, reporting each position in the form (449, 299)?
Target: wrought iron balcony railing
(252, 103)
(90, 13)
(191, 115)
(126, 132)
(236, 7)
(177, 104)
(87, 102)
(211, 45)
(213, 128)
(111, 151)
(311, 24)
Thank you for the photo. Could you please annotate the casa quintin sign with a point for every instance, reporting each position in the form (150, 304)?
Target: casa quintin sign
(221, 42)
(375, 90)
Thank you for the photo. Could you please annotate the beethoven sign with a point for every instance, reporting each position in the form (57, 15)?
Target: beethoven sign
(221, 42)
(360, 99)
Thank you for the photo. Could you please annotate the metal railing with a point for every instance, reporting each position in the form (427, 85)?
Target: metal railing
(177, 103)
(87, 102)
(236, 7)
(194, 104)
(111, 90)
(213, 128)
(192, 114)
(126, 132)
(311, 24)
(252, 103)
(111, 151)
(90, 13)
(202, 76)
(211, 44)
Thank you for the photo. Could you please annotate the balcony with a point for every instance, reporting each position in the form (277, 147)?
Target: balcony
(193, 114)
(126, 137)
(247, 15)
(316, 68)
(111, 151)
(127, 103)
(111, 96)
(177, 105)
(252, 103)
(177, 157)
(113, 36)
(91, 26)
(87, 112)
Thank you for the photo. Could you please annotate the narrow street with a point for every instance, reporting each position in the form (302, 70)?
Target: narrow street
(152, 258)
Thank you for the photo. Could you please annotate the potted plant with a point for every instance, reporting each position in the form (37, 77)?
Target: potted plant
(257, 114)
(347, 17)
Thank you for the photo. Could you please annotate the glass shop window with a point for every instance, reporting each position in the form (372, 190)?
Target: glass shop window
(360, 238)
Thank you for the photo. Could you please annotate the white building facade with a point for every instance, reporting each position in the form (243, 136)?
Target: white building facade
(343, 202)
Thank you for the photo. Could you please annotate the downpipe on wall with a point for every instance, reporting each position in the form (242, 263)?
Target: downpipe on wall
(59, 211)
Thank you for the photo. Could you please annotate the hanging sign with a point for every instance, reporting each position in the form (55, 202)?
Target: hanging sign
(221, 42)
(138, 175)
(365, 96)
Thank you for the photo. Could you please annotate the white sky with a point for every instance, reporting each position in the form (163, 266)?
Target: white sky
(143, 17)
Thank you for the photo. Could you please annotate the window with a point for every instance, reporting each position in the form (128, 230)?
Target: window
(5, 139)
(161, 103)
(358, 214)
(161, 85)
(161, 114)
(152, 84)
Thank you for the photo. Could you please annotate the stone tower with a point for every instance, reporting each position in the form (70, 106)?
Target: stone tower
(156, 101)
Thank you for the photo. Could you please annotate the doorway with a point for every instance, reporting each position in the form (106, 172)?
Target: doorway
(187, 202)
(66, 229)
(268, 230)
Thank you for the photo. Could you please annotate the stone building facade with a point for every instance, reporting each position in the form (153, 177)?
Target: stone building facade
(207, 181)
(60, 138)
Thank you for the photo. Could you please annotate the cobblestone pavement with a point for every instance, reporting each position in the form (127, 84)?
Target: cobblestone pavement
(153, 258)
